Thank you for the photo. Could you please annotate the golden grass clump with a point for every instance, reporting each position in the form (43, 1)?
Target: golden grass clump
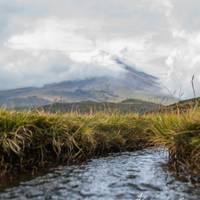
(180, 133)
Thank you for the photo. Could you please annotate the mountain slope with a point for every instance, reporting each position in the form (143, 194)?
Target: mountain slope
(182, 106)
(130, 84)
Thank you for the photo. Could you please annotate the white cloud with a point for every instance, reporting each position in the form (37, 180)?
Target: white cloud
(51, 35)
(72, 39)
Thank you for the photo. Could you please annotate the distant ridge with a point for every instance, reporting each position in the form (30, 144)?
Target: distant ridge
(129, 105)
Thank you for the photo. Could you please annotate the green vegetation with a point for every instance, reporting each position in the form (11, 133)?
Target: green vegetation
(32, 140)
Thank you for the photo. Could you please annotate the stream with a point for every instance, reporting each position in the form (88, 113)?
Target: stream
(140, 175)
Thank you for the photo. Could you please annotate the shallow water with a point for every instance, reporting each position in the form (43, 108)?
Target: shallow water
(137, 175)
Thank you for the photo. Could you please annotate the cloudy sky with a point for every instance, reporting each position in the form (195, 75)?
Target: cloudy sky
(43, 41)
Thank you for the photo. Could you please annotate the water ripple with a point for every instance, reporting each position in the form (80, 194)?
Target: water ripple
(137, 175)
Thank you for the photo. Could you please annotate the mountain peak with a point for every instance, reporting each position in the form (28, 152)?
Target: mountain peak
(130, 84)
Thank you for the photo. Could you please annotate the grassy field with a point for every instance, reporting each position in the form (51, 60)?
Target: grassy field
(30, 141)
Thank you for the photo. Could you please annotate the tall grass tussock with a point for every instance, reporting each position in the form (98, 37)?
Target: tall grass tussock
(180, 133)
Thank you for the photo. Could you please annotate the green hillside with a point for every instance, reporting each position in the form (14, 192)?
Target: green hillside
(129, 105)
